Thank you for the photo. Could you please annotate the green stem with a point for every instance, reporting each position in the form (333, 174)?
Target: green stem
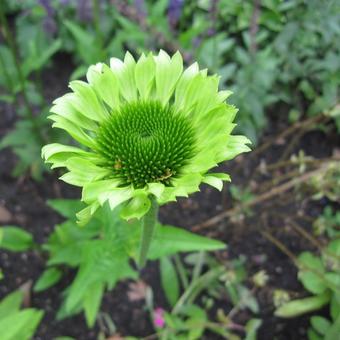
(196, 287)
(181, 271)
(7, 76)
(148, 228)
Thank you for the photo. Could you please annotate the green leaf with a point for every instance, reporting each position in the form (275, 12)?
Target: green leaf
(170, 240)
(66, 207)
(251, 328)
(299, 307)
(335, 306)
(196, 321)
(11, 303)
(20, 325)
(312, 335)
(92, 300)
(48, 278)
(334, 247)
(102, 261)
(169, 280)
(88, 50)
(16, 239)
(310, 279)
(320, 324)
(334, 331)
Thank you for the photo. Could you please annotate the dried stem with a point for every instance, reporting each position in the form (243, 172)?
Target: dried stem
(261, 198)
(304, 124)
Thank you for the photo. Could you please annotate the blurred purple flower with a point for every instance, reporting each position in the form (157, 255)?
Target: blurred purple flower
(158, 318)
(49, 24)
(84, 10)
(140, 8)
(174, 11)
(64, 2)
(48, 7)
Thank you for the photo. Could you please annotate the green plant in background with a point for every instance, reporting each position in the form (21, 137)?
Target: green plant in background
(328, 184)
(152, 132)
(15, 323)
(328, 223)
(191, 289)
(321, 277)
(22, 59)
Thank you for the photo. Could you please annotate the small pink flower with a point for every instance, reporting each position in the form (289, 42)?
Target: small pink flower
(158, 317)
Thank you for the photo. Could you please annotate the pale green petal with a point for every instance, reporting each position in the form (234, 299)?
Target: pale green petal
(207, 96)
(75, 178)
(84, 216)
(168, 195)
(235, 146)
(156, 189)
(105, 84)
(86, 101)
(91, 191)
(84, 165)
(63, 107)
(202, 162)
(189, 97)
(184, 84)
(187, 184)
(223, 95)
(125, 73)
(76, 132)
(82, 171)
(116, 196)
(137, 207)
(216, 180)
(58, 154)
(168, 72)
(145, 75)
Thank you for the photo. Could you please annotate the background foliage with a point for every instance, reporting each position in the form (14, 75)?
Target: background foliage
(281, 60)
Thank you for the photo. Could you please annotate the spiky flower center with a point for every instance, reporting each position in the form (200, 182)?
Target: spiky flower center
(144, 142)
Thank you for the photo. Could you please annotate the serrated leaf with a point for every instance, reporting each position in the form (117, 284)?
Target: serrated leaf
(169, 240)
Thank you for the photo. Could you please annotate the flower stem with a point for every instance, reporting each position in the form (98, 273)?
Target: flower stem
(148, 228)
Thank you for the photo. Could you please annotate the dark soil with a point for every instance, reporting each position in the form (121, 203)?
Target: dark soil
(26, 201)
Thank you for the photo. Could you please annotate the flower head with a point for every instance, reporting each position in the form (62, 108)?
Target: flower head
(147, 128)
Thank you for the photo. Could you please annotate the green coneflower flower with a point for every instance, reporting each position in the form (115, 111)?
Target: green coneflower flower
(150, 131)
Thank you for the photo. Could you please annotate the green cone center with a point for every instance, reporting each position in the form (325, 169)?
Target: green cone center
(145, 142)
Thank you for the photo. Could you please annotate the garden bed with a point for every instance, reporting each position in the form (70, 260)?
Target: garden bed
(24, 201)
